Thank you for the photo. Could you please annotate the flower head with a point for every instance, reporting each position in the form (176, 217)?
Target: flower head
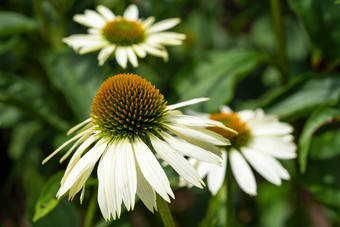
(130, 121)
(127, 35)
(260, 141)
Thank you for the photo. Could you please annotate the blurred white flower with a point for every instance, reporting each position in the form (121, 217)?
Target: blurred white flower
(129, 122)
(128, 36)
(261, 140)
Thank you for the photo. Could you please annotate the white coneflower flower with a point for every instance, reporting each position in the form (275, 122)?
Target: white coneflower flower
(129, 122)
(260, 141)
(125, 35)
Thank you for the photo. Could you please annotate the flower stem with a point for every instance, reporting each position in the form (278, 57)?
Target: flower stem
(230, 207)
(91, 210)
(276, 12)
(164, 212)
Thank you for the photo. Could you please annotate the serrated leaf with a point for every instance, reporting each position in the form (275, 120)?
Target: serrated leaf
(11, 22)
(316, 120)
(218, 77)
(47, 200)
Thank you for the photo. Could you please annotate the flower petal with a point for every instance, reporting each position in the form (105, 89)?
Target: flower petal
(105, 53)
(148, 22)
(132, 56)
(262, 165)
(106, 12)
(186, 103)
(242, 172)
(176, 161)
(131, 13)
(271, 128)
(164, 25)
(152, 170)
(191, 150)
(216, 175)
(121, 56)
(139, 51)
(90, 19)
(126, 180)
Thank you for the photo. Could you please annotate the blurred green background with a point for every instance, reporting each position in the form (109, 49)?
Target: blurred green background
(282, 56)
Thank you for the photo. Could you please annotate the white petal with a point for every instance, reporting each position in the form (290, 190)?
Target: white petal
(132, 56)
(216, 175)
(148, 22)
(75, 128)
(280, 169)
(246, 115)
(274, 146)
(271, 128)
(176, 161)
(139, 51)
(196, 121)
(121, 56)
(262, 165)
(105, 53)
(163, 25)
(242, 172)
(191, 150)
(186, 103)
(131, 13)
(90, 19)
(145, 192)
(156, 51)
(83, 167)
(87, 40)
(65, 144)
(152, 170)
(126, 173)
(198, 134)
(107, 198)
(106, 12)
(225, 109)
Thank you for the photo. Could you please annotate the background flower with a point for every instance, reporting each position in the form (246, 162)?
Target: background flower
(127, 35)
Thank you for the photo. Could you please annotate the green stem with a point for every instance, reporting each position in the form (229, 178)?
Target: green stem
(91, 211)
(164, 212)
(276, 12)
(230, 207)
(42, 20)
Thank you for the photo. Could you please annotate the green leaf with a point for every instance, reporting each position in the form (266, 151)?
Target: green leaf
(69, 76)
(321, 20)
(218, 77)
(325, 145)
(11, 22)
(47, 200)
(317, 119)
(303, 95)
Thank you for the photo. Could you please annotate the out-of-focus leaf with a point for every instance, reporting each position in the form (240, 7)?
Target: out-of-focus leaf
(326, 145)
(9, 116)
(316, 120)
(303, 95)
(30, 98)
(63, 73)
(321, 19)
(218, 77)
(11, 22)
(47, 200)
(21, 135)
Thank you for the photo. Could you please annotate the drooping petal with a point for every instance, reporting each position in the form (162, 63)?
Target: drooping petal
(163, 25)
(262, 165)
(242, 172)
(75, 128)
(216, 175)
(121, 56)
(83, 167)
(144, 191)
(176, 161)
(132, 56)
(105, 53)
(131, 12)
(198, 134)
(126, 173)
(152, 170)
(191, 150)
